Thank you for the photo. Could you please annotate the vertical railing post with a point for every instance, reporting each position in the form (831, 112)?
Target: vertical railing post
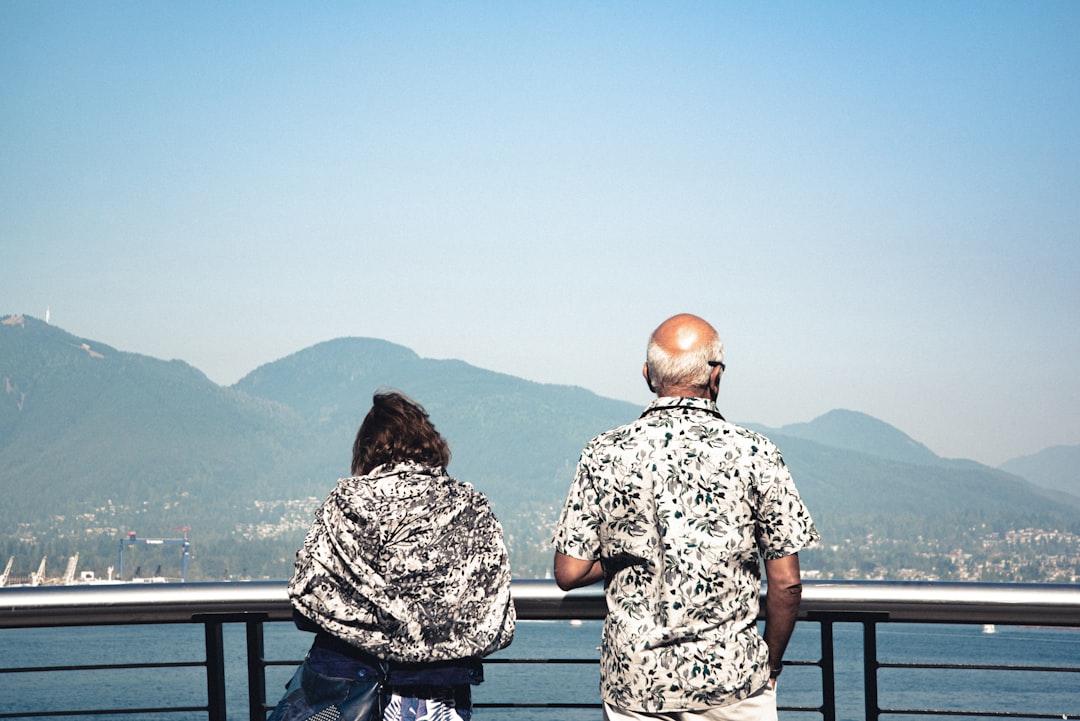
(870, 670)
(256, 671)
(215, 670)
(828, 672)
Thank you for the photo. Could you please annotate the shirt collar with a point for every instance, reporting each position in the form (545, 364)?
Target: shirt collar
(676, 402)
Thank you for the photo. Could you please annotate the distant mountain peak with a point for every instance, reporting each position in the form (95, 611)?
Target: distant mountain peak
(344, 353)
(1053, 468)
(856, 431)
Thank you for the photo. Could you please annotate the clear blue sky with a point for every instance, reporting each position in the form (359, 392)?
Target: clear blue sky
(877, 204)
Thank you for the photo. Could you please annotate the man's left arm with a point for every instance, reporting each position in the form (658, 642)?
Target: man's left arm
(573, 572)
(782, 598)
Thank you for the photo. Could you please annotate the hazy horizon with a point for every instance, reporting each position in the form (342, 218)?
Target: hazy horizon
(875, 205)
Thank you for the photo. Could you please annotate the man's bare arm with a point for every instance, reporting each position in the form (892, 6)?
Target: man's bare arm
(573, 572)
(782, 598)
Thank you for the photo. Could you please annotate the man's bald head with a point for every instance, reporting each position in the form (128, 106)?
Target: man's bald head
(677, 361)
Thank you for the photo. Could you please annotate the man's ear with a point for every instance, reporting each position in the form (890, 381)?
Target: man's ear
(645, 375)
(714, 382)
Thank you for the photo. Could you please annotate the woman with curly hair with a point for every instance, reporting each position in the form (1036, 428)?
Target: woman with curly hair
(403, 577)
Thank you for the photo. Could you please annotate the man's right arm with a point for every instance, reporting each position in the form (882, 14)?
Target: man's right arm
(573, 572)
(783, 596)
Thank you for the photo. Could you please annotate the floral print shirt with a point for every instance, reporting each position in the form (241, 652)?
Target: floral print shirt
(681, 506)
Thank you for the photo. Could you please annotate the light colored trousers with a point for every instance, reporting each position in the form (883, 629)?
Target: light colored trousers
(759, 707)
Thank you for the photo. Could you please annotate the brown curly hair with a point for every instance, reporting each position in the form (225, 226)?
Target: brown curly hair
(395, 430)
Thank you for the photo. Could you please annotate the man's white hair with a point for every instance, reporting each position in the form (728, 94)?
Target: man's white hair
(686, 368)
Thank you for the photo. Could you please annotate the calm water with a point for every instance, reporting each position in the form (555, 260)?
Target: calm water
(1051, 693)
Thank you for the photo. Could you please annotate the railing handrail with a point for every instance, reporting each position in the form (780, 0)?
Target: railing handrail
(895, 601)
(825, 604)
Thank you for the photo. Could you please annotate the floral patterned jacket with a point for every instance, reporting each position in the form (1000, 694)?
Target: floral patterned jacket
(409, 565)
(681, 507)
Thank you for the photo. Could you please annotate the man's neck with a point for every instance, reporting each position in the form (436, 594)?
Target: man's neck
(684, 392)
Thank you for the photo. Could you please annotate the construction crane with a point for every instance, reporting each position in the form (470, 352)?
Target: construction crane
(37, 578)
(69, 574)
(185, 548)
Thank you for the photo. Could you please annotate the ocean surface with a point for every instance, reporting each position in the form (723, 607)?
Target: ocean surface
(1052, 693)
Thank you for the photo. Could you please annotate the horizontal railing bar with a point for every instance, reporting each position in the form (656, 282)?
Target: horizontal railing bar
(103, 711)
(988, 714)
(133, 604)
(947, 602)
(588, 661)
(522, 704)
(979, 667)
(892, 601)
(105, 667)
(537, 705)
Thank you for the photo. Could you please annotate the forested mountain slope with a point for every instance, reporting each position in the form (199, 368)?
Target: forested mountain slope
(95, 442)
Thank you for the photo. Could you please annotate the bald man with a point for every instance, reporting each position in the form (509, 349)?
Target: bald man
(676, 512)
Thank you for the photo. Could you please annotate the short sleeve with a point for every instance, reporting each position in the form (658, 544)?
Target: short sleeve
(784, 523)
(577, 533)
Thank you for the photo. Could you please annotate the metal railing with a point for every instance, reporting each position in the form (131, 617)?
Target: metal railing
(216, 606)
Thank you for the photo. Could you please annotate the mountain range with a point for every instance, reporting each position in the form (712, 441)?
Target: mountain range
(97, 442)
